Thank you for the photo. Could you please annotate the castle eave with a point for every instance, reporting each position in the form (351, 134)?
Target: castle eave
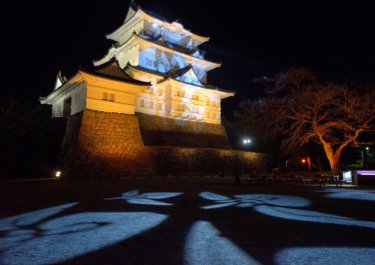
(222, 93)
(111, 70)
(135, 12)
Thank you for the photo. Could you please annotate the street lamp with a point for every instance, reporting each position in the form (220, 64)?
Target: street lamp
(246, 141)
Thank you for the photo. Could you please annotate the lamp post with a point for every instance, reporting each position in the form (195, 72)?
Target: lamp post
(364, 155)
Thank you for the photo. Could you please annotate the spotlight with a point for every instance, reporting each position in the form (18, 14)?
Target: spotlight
(57, 174)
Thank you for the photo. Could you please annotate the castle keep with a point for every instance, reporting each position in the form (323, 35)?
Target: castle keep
(145, 105)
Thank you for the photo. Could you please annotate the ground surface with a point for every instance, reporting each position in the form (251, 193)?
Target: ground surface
(184, 222)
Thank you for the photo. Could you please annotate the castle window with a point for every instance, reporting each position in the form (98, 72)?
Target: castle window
(196, 109)
(142, 103)
(181, 107)
(160, 106)
(180, 93)
(108, 96)
(148, 63)
(196, 97)
(151, 105)
(211, 115)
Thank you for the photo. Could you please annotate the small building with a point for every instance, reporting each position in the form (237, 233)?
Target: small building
(146, 105)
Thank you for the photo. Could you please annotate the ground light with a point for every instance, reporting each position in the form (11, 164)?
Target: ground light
(206, 245)
(42, 237)
(281, 206)
(57, 174)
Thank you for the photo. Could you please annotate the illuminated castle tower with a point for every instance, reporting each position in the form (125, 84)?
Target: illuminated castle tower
(166, 55)
(147, 96)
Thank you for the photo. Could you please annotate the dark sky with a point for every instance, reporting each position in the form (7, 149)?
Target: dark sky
(337, 41)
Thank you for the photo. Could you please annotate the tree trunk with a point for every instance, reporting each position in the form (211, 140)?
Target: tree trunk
(335, 164)
(333, 157)
(336, 158)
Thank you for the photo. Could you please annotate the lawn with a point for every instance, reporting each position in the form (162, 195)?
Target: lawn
(184, 222)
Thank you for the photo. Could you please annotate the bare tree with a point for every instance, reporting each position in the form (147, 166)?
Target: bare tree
(302, 109)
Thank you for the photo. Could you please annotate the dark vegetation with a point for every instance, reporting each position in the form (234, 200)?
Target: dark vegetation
(29, 138)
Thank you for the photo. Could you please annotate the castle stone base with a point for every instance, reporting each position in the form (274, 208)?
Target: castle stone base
(110, 144)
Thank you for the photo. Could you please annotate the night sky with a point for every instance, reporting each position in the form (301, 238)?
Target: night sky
(337, 41)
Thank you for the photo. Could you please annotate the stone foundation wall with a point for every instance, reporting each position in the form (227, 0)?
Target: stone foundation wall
(174, 160)
(109, 144)
(170, 132)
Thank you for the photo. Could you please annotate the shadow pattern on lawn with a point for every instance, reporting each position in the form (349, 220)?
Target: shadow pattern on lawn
(190, 228)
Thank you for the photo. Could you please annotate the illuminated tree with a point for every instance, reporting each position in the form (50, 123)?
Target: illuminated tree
(301, 109)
